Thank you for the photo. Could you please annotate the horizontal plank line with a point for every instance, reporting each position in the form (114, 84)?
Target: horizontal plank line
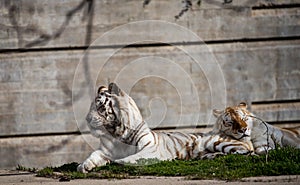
(283, 122)
(16, 174)
(181, 127)
(208, 42)
(44, 134)
(249, 40)
(275, 102)
(276, 6)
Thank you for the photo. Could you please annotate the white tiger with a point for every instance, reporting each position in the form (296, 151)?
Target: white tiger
(125, 137)
(238, 122)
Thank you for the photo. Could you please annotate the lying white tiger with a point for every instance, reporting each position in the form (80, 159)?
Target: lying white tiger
(242, 125)
(125, 137)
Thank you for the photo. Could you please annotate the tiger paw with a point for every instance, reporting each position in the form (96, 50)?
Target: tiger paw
(212, 155)
(253, 154)
(84, 167)
(80, 168)
(242, 152)
(262, 150)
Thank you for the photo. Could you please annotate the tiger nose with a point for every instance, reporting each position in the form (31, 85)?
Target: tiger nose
(242, 130)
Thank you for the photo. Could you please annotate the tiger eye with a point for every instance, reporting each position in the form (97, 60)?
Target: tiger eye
(101, 109)
(110, 117)
(97, 101)
(227, 124)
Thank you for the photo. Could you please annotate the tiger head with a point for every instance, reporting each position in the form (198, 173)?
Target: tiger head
(234, 121)
(112, 111)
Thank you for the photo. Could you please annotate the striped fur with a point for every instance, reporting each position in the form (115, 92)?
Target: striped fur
(239, 123)
(124, 137)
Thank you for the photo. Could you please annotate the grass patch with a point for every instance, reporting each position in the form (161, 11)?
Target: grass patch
(23, 168)
(284, 161)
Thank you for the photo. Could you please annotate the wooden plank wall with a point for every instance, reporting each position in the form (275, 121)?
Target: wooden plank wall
(42, 43)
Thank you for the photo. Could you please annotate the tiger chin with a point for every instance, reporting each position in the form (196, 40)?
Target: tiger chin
(125, 137)
(239, 123)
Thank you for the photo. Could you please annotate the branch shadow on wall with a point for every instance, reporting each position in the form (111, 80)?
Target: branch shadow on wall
(87, 8)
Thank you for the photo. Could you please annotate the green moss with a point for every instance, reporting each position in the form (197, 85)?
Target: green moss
(231, 167)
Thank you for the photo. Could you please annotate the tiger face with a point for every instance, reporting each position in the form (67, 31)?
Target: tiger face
(111, 112)
(234, 121)
(104, 112)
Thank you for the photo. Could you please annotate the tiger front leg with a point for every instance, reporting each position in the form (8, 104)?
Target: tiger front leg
(147, 153)
(243, 152)
(263, 145)
(97, 158)
(211, 155)
(130, 159)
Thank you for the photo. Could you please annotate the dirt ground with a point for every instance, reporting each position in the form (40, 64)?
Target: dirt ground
(18, 178)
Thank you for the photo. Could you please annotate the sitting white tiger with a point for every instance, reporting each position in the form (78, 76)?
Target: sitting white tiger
(125, 137)
(241, 124)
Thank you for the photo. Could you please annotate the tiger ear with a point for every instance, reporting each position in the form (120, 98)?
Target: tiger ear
(217, 112)
(101, 89)
(114, 89)
(243, 105)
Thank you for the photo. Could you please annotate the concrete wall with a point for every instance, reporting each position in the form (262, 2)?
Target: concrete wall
(48, 72)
